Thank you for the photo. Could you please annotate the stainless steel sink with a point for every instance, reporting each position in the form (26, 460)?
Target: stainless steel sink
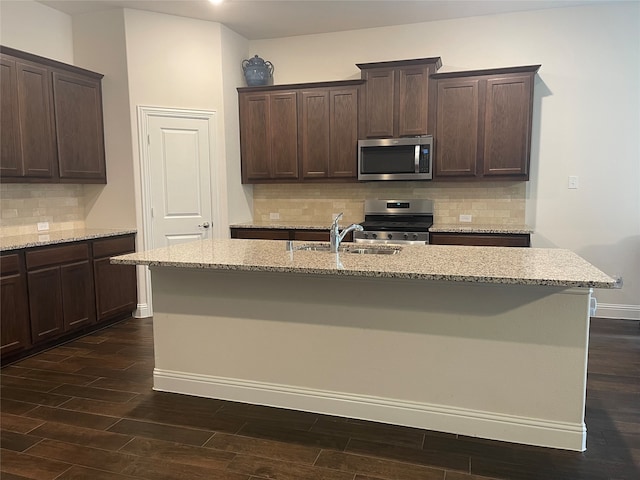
(359, 250)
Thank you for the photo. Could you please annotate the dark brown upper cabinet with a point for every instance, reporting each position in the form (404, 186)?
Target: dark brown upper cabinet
(483, 123)
(79, 128)
(299, 133)
(28, 144)
(52, 126)
(269, 136)
(329, 132)
(397, 98)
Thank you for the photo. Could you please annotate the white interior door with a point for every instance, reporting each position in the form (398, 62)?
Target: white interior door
(180, 156)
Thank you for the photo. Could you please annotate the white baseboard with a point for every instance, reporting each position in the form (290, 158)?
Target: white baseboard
(614, 310)
(531, 431)
(143, 311)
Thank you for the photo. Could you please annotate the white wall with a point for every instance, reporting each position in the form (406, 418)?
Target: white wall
(586, 119)
(239, 197)
(99, 45)
(36, 28)
(177, 62)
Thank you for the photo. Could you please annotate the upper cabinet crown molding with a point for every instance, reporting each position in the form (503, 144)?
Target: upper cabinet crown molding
(533, 69)
(52, 124)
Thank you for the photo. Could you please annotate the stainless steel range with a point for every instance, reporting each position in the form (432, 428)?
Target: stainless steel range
(396, 221)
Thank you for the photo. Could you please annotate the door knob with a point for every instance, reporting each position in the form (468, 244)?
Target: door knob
(205, 225)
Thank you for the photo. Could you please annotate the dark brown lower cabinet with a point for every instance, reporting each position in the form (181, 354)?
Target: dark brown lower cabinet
(45, 304)
(481, 239)
(14, 305)
(116, 286)
(284, 234)
(54, 293)
(61, 293)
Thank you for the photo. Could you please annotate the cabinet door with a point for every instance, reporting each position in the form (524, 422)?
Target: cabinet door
(10, 152)
(79, 129)
(343, 127)
(284, 135)
(380, 101)
(78, 305)
(14, 307)
(413, 97)
(34, 120)
(507, 126)
(115, 288)
(315, 134)
(254, 136)
(456, 140)
(115, 285)
(45, 303)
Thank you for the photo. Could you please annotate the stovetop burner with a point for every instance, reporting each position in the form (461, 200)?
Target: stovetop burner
(396, 221)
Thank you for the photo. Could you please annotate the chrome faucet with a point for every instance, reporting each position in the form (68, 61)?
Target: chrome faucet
(336, 236)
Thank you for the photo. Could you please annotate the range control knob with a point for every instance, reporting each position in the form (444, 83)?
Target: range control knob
(374, 235)
(415, 236)
(390, 236)
(406, 236)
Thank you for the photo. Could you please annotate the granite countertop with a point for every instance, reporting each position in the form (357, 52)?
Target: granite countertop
(62, 236)
(520, 266)
(473, 228)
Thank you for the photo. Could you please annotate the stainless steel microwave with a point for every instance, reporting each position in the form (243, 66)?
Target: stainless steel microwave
(408, 158)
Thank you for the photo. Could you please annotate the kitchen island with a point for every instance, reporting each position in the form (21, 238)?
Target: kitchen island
(480, 341)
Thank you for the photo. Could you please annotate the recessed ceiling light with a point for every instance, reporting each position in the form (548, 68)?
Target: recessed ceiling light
(216, 2)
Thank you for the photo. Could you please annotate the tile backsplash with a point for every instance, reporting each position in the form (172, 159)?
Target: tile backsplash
(501, 203)
(24, 205)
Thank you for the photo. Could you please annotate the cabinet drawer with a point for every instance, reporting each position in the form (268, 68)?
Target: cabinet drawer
(261, 233)
(10, 264)
(57, 255)
(114, 246)
(480, 239)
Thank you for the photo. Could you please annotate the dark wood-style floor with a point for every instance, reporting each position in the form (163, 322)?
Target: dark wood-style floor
(86, 410)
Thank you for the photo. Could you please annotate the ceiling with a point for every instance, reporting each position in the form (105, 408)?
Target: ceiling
(261, 19)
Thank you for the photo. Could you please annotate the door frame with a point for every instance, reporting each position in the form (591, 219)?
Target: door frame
(216, 177)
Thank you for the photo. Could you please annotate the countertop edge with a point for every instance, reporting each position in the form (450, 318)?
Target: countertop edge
(60, 237)
(366, 273)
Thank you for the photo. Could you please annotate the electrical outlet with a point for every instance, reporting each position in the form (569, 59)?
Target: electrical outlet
(42, 226)
(465, 218)
(573, 182)
(619, 282)
(274, 216)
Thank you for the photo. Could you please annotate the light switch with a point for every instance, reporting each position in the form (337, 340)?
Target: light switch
(573, 182)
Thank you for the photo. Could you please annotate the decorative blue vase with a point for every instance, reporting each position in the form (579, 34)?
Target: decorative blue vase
(257, 71)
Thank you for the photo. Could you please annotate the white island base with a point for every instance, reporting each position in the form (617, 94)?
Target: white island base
(505, 362)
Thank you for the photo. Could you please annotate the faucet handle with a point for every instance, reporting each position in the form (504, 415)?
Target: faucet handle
(335, 220)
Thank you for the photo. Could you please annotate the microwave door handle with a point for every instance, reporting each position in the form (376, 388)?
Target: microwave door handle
(417, 159)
